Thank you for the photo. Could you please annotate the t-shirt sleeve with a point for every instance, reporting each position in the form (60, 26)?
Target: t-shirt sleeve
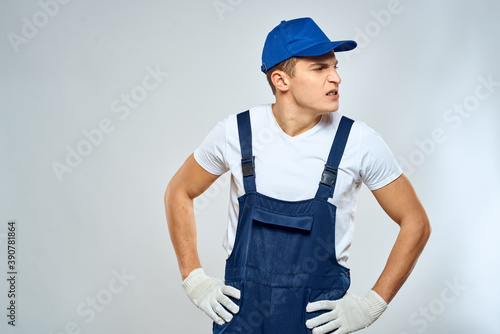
(378, 165)
(211, 153)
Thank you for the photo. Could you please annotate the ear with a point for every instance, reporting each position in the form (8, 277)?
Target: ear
(281, 80)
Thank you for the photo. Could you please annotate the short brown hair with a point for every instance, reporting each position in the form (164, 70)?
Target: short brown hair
(287, 66)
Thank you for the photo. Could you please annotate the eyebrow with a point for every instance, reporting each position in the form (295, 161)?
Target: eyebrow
(323, 64)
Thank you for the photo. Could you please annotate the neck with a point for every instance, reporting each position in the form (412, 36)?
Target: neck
(292, 120)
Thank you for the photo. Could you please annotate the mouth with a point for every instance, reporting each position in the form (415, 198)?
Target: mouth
(333, 92)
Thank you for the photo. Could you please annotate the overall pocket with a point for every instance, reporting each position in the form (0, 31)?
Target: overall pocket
(278, 242)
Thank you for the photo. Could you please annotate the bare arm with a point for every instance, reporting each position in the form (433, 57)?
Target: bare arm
(400, 202)
(190, 181)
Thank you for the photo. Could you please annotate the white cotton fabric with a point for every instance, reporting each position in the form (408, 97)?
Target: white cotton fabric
(289, 168)
(346, 315)
(209, 294)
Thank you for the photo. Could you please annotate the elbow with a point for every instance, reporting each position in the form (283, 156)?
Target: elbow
(167, 195)
(170, 197)
(424, 229)
(173, 190)
(166, 200)
(418, 227)
(168, 192)
(175, 197)
(172, 193)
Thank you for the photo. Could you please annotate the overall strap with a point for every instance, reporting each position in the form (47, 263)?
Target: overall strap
(247, 158)
(329, 176)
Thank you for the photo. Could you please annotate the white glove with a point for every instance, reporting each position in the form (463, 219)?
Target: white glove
(348, 314)
(209, 295)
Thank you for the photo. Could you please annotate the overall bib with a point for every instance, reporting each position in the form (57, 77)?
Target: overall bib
(284, 251)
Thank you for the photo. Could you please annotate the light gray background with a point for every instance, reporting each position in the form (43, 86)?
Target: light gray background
(107, 215)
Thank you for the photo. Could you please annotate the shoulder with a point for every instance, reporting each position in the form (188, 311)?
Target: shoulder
(226, 130)
(258, 112)
(360, 128)
(370, 140)
(358, 132)
(364, 137)
(259, 117)
(377, 165)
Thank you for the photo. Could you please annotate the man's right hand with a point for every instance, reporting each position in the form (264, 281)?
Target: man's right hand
(211, 296)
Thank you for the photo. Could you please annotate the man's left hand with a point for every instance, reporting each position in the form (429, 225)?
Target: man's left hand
(346, 315)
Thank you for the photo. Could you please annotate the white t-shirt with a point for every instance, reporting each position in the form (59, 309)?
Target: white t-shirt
(290, 168)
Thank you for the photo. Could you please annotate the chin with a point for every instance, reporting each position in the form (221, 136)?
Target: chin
(332, 109)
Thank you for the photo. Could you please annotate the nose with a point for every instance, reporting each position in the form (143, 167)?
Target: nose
(333, 76)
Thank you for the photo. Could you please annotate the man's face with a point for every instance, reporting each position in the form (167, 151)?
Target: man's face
(314, 87)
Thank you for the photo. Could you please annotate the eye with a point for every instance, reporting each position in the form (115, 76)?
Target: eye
(318, 69)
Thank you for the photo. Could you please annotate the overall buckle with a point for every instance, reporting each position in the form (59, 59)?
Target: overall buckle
(329, 175)
(248, 166)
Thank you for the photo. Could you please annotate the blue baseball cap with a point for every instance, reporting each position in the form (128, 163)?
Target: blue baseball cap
(298, 38)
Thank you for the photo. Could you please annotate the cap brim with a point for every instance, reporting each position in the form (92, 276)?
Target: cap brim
(320, 49)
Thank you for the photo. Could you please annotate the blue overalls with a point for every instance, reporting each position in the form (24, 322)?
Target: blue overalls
(284, 251)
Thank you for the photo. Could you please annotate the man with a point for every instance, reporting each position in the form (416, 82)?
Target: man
(292, 201)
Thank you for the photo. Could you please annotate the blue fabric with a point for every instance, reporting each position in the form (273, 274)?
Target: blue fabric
(245, 135)
(284, 252)
(335, 156)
